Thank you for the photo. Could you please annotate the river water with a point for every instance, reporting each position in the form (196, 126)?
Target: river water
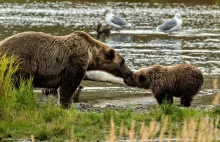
(197, 43)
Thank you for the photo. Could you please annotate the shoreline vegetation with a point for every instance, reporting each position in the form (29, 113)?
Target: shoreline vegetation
(21, 117)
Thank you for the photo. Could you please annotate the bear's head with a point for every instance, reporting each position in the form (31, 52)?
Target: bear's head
(140, 78)
(105, 58)
(113, 62)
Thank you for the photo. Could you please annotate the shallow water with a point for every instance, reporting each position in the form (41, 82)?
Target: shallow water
(198, 42)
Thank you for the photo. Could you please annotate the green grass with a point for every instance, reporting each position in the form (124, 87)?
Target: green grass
(8, 67)
(54, 123)
(21, 116)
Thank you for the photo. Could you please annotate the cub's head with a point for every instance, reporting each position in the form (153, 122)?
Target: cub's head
(140, 78)
(103, 57)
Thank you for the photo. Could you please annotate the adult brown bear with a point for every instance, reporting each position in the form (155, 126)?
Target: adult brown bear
(61, 61)
(182, 80)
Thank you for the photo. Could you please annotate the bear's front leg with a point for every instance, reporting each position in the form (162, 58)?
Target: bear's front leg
(162, 97)
(70, 82)
(66, 92)
(186, 100)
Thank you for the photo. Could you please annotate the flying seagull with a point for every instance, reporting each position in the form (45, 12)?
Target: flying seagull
(171, 25)
(115, 21)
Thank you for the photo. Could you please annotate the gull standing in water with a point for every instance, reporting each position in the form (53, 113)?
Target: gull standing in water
(171, 25)
(115, 21)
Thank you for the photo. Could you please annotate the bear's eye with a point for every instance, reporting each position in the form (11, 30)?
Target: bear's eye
(110, 55)
(142, 78)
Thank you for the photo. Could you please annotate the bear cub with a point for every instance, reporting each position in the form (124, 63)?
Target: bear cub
(166, 82)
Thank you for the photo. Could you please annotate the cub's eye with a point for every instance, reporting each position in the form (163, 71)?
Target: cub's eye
(110, 55)
(142, 78)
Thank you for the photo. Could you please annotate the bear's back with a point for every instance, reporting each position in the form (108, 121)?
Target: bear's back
(185, 71)
(26, 41)
(46, 56)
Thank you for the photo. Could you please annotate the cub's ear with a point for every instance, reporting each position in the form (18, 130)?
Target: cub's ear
(110, 54)
(142, 78)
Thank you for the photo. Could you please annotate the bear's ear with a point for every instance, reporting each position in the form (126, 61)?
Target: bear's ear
(110, 54)
(142, 78)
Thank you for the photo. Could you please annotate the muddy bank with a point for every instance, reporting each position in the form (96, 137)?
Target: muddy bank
(90, 108)
(137, 108)
(141, 108)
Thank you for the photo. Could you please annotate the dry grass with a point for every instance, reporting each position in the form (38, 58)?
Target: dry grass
(215, 83)
(204, 130)
(216, 100)
(112, 134)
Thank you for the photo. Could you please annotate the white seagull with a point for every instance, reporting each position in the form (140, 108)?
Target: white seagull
(114, 21)
(171, 25)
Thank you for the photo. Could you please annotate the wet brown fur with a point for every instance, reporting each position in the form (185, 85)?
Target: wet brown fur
(182, 80)
(61, 61)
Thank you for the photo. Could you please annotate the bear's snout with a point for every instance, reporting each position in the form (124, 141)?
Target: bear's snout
(129, 81)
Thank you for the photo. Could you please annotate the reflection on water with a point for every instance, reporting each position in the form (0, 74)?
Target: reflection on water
(173, 44)
(198, 42)
(116, 39)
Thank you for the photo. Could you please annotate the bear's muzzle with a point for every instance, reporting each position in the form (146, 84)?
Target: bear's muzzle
(129, 81)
